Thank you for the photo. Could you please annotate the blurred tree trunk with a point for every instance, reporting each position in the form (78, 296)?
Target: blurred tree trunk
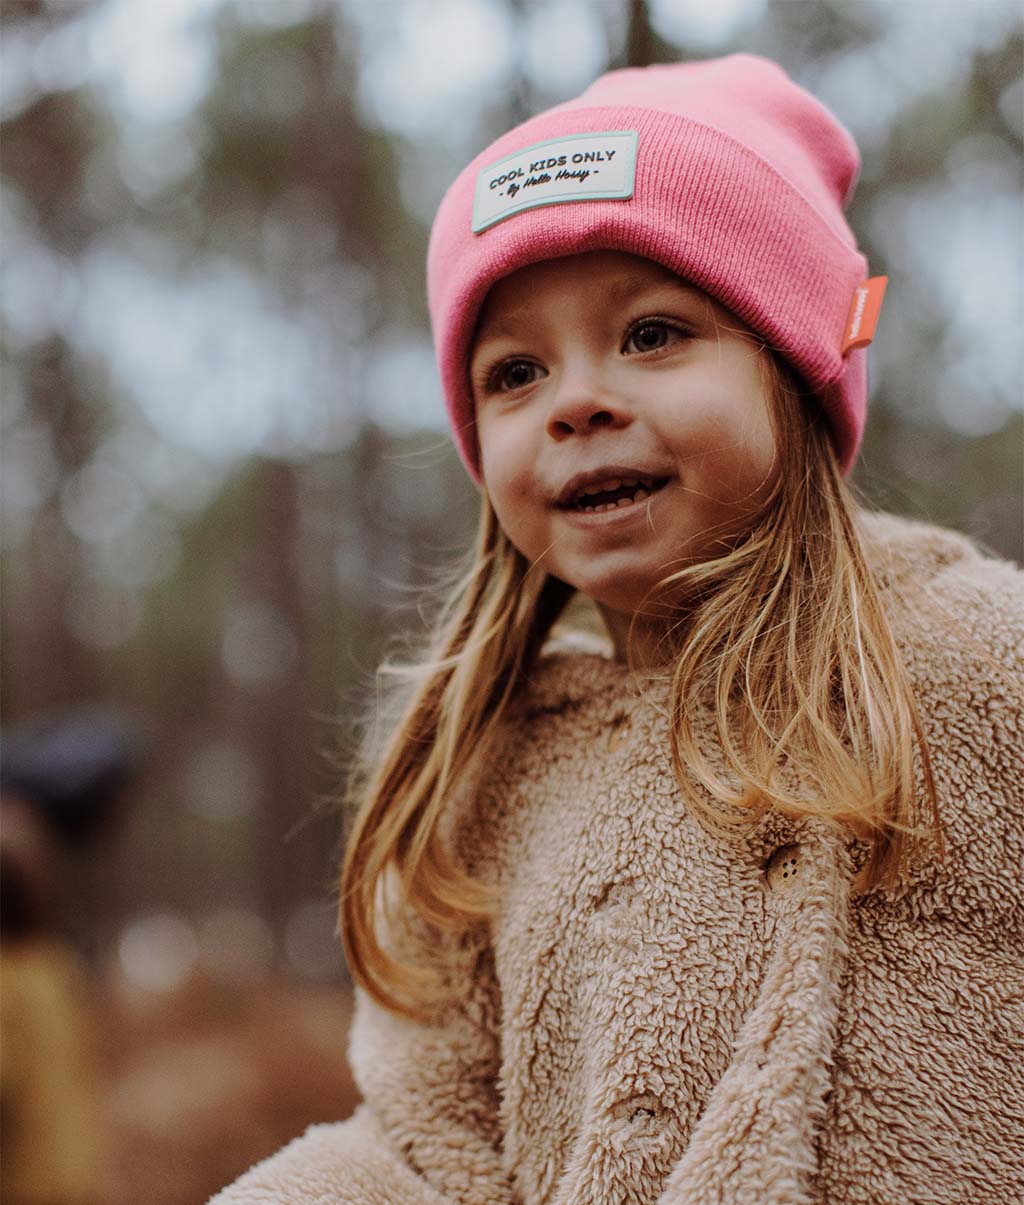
(276, 716)
(641, 42)
(46, 665)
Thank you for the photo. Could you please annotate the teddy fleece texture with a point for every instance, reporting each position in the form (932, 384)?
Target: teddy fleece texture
(659, 1017)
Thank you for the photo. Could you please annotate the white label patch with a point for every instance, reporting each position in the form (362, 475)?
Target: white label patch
(578, 167)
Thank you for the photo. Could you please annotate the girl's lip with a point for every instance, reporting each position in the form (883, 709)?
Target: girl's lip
(612, 518)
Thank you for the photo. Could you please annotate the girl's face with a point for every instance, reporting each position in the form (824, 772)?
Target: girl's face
(606, 369)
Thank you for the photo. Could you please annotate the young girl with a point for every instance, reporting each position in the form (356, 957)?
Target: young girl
(730, 909)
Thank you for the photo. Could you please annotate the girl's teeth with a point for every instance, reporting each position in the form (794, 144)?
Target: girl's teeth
(639, 496)
(614, 484)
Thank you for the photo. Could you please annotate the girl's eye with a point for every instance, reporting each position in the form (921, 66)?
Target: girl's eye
(653, 334)
(515, 374)
(505, 375)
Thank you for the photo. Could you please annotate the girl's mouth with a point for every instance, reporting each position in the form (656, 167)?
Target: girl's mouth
(628, 505)
(622, 495)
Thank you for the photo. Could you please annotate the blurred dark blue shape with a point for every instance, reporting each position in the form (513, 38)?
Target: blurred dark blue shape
(73, 766)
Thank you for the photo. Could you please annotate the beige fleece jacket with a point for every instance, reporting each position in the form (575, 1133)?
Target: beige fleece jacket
(660, 1018)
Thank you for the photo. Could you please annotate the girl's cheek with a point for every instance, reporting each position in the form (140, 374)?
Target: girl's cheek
(502, 473)
(697, 429)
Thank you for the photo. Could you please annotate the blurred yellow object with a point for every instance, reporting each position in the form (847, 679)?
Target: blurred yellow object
(52, 1108)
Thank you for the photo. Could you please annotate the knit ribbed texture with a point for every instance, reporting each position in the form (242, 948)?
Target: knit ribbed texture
(741, 179)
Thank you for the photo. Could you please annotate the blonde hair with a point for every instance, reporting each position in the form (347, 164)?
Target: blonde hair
(784, 634)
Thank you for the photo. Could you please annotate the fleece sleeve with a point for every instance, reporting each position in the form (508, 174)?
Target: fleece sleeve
(428, 1131)
(338, 1163)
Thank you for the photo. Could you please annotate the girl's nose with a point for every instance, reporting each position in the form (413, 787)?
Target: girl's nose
(583, 405)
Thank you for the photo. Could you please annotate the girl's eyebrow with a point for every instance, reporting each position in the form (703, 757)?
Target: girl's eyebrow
(618, 291)
(628, 286)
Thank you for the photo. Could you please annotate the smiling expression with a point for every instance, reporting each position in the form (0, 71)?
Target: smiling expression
(609, 366)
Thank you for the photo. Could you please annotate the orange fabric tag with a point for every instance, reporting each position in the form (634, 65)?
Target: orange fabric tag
(863, 316)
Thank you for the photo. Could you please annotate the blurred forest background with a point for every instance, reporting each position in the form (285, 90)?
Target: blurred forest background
(227, 479)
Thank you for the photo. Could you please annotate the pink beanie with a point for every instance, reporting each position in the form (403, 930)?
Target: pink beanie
(723, 171)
